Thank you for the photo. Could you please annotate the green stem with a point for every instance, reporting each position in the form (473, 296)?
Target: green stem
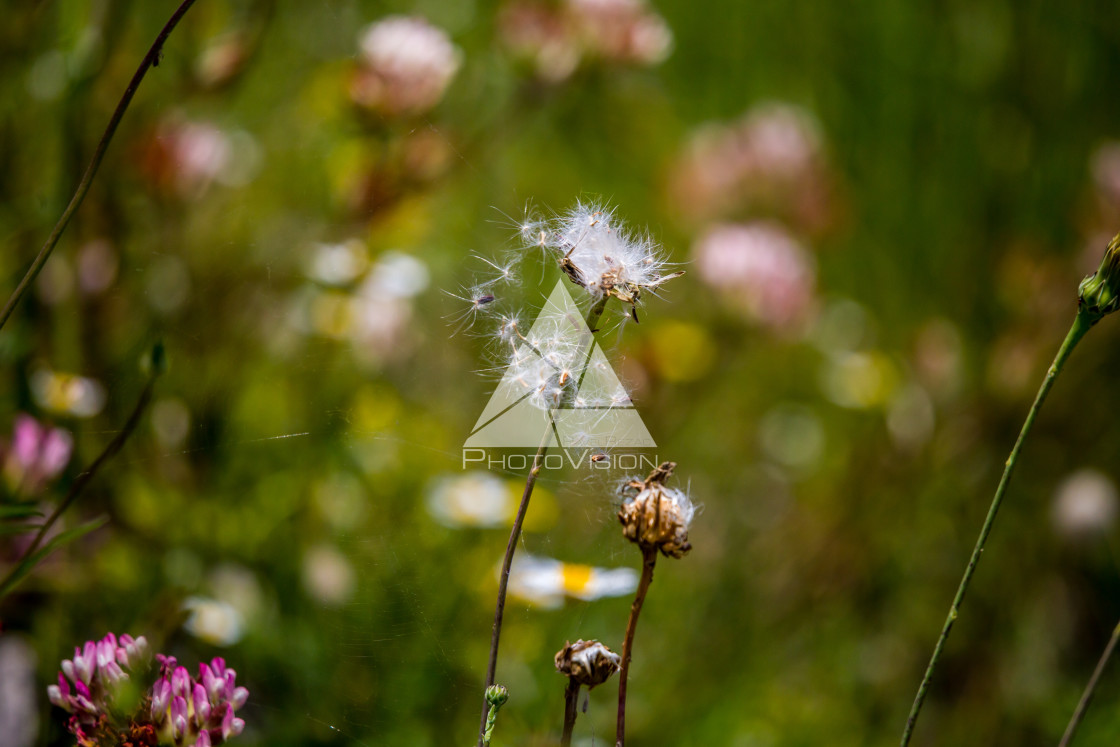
(488, 728)
(515, 533)
(150, 59)
(79, 484)
(1090, 689)
(1081, 324)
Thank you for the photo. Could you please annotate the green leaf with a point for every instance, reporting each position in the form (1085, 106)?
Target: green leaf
(25, 566)
(19, 511)
(13, 528)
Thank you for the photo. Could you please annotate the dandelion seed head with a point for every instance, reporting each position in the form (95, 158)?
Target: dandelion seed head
(600, 255)
(500, 274)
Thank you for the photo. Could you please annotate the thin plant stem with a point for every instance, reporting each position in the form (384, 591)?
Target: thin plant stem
(1081, 324)
(80, 483)
(649, 559)
(150, 59)
(593, 317)
(571, 701)
(491, 721)
(1090, 689)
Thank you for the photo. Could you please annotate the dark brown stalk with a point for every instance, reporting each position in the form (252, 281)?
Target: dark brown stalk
(150, 59)
(80, 484)
(515, 534)
(1090, 689)
(649, 559)
(571, 700)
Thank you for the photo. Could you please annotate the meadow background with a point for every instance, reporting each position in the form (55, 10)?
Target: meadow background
(842, 407)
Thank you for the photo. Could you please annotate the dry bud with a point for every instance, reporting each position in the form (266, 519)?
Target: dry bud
(587, 663)
(658, 516)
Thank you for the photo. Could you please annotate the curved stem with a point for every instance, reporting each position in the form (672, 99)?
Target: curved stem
(515, 533)
(1081, 324)
(79, 485)
(649, 559)
(503, 579)
(571, 701)
(1090, 689)
(150, 59)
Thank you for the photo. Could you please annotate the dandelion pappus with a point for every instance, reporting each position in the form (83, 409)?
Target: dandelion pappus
(506, 273)
(477, 301)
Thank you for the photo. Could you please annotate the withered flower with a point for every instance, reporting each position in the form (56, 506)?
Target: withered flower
(657, 516)
(587, 663)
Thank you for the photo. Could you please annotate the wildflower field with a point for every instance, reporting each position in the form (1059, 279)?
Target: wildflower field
(559, 372)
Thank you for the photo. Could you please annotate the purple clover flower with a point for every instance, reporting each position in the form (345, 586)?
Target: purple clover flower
(96, 672)
(37, 454)
(179, 709)
(199, 712)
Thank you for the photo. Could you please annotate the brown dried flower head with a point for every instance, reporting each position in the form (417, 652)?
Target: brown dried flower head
(658, 516)
(587, 663)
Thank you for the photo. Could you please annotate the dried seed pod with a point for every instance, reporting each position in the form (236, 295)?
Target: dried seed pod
(587, 663)
(658, 516)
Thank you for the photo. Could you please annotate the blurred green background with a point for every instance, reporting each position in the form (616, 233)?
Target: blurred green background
(908, 194)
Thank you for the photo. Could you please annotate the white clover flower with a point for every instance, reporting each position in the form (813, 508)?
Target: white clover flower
(338, 264)
(761, 268)
(407, 64)
(1085, 503)
(622, 30)
(475, 499)
(558, 37)
(328, 576)
(202, 151)
(770, 161)
(214, 621)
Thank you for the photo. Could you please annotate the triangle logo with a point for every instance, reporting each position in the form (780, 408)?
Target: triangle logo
(533, 403)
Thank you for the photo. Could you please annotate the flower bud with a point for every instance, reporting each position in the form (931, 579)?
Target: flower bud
(496, 696)
(239, 697)
(161, 698)
(587, 663)
(1099, 294)
(231, 726)
(178, 717)
(201, 704)
(181, 682)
